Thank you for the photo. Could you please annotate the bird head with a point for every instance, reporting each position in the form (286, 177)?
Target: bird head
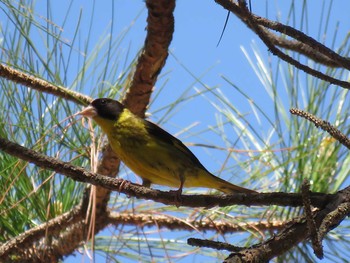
(104, 108)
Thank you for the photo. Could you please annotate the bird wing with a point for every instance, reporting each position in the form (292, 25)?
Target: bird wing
(157, 132)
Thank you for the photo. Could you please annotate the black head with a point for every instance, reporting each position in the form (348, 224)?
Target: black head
(107, 108)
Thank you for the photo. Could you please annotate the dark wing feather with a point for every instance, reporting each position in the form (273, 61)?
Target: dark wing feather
(164, 136)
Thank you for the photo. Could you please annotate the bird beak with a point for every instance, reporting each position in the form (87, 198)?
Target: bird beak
(89, 112)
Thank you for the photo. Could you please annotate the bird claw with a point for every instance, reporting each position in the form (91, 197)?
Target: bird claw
(122, 185)
(178, 198)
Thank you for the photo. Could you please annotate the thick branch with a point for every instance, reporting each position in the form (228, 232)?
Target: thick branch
(160, 29)
(26, 240)
(54, 248)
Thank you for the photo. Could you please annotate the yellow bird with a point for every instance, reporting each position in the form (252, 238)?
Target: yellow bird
(151, 152)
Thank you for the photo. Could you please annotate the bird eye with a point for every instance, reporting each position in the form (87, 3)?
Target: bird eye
(103, 101)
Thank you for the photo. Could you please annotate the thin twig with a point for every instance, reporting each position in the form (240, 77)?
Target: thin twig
(333, 219)
(305, 39)
(301, 48)
(213, 244)
(173, 223)
(311, 224)
(324, 125)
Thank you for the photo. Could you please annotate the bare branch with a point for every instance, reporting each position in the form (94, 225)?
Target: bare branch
(301, 48)
(42, 85)
(259, 25)
(312, 45)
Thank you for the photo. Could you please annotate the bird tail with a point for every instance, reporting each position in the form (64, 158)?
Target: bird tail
(229, 188)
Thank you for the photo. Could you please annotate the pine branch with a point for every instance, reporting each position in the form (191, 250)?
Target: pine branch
(168, 198)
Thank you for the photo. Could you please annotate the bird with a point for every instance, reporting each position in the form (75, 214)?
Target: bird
(151, 152)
